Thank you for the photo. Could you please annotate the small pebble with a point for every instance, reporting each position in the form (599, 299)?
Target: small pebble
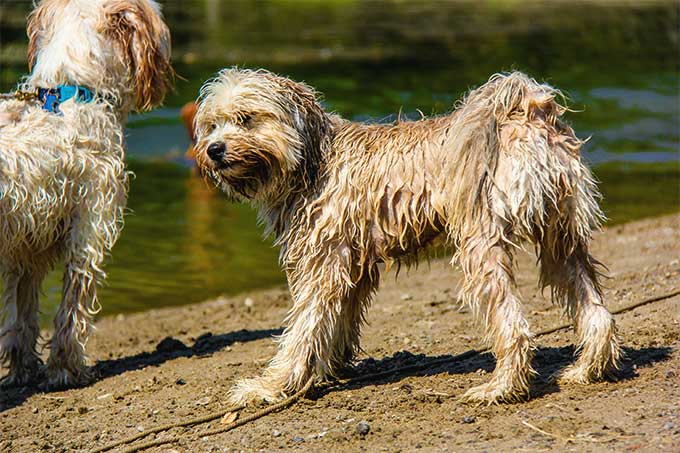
(468, 419)
(276, 433)
(82, 410)
(34, 410)
(180, 381)
(406, 297)
(298, 439)
(670, 374)
(669, 426)
(362, 428)
(203, 401)
(248, 302)
(140, 428)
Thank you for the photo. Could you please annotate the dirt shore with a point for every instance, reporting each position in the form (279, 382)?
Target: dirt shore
(167, 365)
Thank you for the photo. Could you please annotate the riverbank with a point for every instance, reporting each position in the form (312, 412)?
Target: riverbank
(167, 365)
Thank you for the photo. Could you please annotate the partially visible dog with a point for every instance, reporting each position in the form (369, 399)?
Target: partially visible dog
(63, 184)
(188, 114)
(342, 197)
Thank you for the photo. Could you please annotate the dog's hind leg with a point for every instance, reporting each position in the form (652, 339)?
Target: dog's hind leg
(20, 330)
(489, 288)
(552, 198)
(573, 277)
(542, 186)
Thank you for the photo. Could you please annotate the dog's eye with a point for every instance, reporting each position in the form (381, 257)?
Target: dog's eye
(246, 120)
(213, 126)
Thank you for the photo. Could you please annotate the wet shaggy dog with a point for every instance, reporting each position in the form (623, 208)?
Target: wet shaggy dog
(342, 197)
(63, 184)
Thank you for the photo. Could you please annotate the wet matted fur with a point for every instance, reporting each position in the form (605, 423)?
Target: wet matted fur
(342, 197)
(63, 184)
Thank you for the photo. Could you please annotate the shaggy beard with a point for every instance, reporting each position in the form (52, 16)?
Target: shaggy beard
(243, 179)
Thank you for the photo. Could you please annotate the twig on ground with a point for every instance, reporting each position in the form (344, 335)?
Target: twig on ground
(567, 438)
(259, 414)
(545, 433)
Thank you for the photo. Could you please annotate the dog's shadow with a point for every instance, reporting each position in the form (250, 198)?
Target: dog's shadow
(168, 349)
(547, 362)
(171, 348)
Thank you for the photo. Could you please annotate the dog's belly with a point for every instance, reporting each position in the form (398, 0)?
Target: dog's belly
(390, 247)
(404, 224)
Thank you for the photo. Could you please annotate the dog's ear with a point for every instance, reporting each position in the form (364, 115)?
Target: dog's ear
(138, 28)
(312, 124)
(309, 118)
(36, 26)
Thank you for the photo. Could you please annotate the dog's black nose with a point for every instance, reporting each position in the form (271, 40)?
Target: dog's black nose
(216, 151)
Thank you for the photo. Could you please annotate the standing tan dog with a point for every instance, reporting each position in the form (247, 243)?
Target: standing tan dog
(63, 184)
(342, 197)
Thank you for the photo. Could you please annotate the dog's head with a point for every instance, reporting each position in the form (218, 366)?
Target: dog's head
(117, 47)
(259, 135)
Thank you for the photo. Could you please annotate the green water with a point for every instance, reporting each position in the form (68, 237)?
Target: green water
(618, 62)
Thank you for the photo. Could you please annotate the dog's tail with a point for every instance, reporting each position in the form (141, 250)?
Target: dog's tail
(518, 161)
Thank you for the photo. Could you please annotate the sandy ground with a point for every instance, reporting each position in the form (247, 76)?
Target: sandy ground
(167, 365)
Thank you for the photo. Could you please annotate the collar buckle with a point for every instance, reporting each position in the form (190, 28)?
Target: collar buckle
(53, 97)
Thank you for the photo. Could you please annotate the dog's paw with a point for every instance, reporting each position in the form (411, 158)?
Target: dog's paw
(60, 379)
(257, 390)
(577, 374)
(18, 379)
(492, 393)
(22, 376)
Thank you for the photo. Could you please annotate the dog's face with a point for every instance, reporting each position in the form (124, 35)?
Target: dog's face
(102, 44)
(257, 133)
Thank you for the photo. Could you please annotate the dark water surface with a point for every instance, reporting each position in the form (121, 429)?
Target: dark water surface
(617, 61)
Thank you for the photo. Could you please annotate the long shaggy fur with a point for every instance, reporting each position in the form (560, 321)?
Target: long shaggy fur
(63, 182)
(342, 197)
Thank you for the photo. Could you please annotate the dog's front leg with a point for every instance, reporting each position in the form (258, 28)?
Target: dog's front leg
(66, 365)
(86, 242)
(319, 287)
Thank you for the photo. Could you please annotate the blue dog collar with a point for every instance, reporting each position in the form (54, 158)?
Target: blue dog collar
(52, 97)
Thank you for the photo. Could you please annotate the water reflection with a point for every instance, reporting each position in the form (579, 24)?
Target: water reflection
(182, 243)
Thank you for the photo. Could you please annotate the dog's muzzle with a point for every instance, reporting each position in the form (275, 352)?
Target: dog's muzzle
(216, 151)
